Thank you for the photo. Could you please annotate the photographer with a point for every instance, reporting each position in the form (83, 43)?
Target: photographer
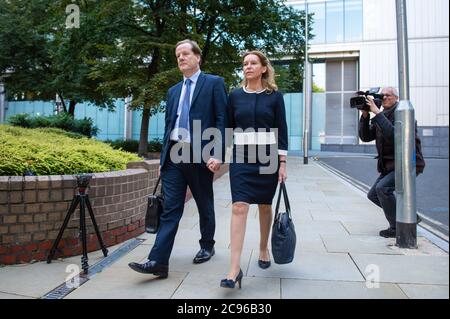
(381, 129)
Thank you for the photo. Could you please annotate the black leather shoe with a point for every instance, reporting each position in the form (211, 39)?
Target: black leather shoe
(203, 255)
(388, 233)
(230, 283)
(151, 267)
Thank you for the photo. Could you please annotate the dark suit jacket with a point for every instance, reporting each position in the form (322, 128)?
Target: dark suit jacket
(209, 105)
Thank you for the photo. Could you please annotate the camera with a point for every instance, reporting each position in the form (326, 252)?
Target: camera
(83, 180)
(359, 102)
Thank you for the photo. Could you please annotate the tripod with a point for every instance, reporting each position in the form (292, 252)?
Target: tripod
(83, 199)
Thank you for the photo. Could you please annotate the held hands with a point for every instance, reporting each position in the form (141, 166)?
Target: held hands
(214, 165)
(373, 108)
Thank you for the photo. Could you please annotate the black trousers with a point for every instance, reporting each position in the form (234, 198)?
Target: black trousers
(176, 177)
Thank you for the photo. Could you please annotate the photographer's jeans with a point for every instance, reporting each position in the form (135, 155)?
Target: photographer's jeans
(382, 195)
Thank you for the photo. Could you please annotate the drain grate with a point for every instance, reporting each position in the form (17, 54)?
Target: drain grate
(63, 290)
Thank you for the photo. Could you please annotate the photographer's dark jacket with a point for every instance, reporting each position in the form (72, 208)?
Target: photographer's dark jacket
(381, 129)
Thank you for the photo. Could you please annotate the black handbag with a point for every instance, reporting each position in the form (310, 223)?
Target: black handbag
(283, 231)
(154, 210)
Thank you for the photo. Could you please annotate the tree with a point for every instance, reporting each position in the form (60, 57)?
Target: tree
(289, 77)
(141, 63)
(41, 57)
(126, 47)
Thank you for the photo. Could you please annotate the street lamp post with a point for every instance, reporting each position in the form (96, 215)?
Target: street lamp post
(405, 152)
(307, 89)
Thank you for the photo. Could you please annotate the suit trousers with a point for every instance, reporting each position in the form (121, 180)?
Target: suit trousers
(176, 177)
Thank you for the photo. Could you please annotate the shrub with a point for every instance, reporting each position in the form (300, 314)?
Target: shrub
(62, 120)
(53, 151)
(128, 145)
(133, 145)
(155, 145)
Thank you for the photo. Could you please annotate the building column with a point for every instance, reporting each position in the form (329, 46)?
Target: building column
(128, 120)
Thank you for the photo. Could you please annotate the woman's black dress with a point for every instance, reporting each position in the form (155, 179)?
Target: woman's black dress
(260, 111)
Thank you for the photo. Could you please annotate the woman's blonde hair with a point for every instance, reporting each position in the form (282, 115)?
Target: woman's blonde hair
(268, 77)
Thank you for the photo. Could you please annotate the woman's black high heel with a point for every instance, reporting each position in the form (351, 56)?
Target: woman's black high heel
(264, 264)
(230, 283)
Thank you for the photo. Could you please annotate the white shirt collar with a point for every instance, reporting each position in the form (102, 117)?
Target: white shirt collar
(194, 77)
(250, 92)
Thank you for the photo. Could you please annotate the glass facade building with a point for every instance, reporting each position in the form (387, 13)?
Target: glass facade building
(335, 21)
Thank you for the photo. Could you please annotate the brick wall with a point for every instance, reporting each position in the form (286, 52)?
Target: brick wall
(32, 210)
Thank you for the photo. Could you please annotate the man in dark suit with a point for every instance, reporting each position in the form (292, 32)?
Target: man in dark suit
(196, 104)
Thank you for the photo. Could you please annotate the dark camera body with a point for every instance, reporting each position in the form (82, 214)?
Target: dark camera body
(359, 102)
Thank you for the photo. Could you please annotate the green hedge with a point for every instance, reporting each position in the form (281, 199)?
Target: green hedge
(62, 120)
(133, 145)
(53, 151)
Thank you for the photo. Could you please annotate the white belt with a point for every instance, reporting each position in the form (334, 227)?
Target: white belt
(254, 138)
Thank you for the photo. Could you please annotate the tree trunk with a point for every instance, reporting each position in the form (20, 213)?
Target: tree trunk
(143, 137)
(72, 107)
(63, 102)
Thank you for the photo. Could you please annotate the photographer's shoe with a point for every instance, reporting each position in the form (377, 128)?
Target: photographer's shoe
(419, 219)
(388, 233)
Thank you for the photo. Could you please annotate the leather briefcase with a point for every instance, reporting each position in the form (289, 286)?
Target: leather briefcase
(154, 210)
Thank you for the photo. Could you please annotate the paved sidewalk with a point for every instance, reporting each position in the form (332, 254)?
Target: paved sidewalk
(338, 254)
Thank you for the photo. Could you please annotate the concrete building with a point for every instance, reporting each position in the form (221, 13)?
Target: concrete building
(355, 47)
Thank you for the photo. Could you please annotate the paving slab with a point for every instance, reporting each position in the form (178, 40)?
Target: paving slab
(359, 244)
(33, 280)
(357, 222)
(123, 283)
(206, 286)
(319, 227)
(318, 266)
(181, 261)
(314, 289)
(425, 291)
(358, 225)
(12, 296)
(432, 270)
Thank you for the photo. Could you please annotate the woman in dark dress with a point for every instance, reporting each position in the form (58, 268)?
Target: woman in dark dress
(257, 111)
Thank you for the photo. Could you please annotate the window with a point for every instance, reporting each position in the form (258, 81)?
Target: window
(335, 22)
(317, 10)
(353, 20)
(341, 121)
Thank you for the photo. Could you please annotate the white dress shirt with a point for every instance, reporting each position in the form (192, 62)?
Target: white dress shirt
(174, 136)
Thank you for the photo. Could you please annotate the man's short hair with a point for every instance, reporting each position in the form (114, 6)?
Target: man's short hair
(393, 90)
(195, 47)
